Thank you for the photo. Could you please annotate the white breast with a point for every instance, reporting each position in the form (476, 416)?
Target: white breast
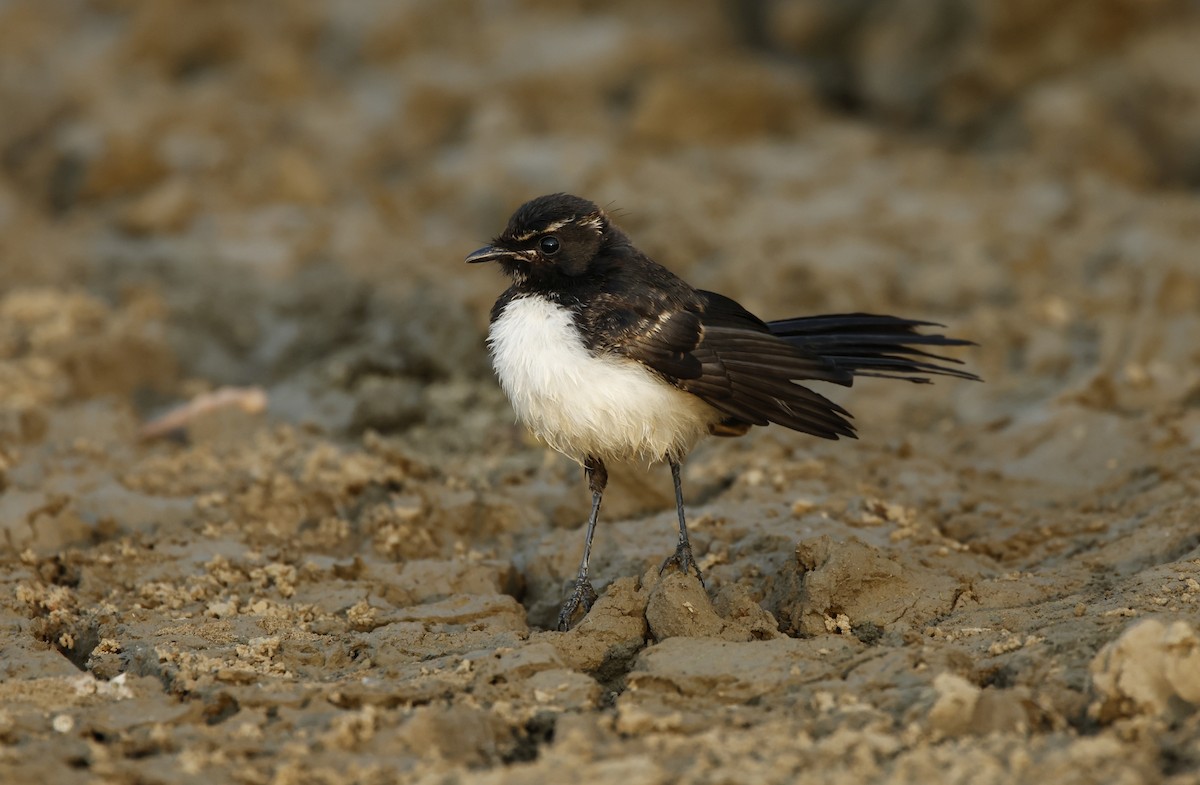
(582, 404)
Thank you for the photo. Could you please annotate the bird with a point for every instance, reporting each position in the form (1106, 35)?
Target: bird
(607, 356)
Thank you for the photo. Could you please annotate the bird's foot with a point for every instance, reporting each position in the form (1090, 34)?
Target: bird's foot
(579, 603)
(683, 561)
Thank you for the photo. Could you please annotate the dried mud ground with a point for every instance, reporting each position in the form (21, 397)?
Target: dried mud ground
(998, 582)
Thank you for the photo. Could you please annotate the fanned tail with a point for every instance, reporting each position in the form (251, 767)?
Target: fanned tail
(870, 345)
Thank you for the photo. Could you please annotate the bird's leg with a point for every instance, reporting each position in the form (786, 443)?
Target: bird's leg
(682, 558)
(584, 595)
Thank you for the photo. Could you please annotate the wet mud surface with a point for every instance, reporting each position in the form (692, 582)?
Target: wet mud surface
(356, 580)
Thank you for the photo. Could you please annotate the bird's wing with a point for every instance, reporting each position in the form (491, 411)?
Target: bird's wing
(723, 354)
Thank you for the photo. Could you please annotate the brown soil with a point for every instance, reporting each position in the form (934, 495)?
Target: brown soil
(997, 582)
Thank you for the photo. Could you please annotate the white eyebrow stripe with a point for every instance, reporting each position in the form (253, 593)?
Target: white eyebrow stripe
(558, 224)
(544, 230)
(594, 221)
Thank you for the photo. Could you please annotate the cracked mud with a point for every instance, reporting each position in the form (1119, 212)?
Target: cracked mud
(207, 204)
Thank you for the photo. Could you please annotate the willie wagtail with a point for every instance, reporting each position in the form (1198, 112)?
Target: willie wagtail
(607, 355)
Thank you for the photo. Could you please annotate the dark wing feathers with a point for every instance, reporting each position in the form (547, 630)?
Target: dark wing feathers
(754, 353)
(747, 369)
(721, 311)
(870, 345)
(726, 356)
(665, 343)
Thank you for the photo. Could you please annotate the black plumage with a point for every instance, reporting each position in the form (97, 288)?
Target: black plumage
(565, 250)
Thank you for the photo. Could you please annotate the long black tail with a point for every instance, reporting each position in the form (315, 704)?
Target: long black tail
(870, 345)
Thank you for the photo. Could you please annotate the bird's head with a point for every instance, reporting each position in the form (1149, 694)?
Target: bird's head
(549, 238)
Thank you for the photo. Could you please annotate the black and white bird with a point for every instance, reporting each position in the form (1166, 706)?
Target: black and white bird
(608, 356)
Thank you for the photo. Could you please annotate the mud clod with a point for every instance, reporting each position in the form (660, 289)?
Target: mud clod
(266, 516)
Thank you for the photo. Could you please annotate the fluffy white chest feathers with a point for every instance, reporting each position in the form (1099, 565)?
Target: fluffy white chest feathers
(582, 404)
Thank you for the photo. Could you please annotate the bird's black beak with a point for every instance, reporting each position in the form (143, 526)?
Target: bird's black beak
(488, 253)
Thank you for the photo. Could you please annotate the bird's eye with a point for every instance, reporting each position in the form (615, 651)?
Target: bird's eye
(549, 245)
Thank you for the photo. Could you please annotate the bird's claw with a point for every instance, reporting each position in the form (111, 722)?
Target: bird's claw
(583, 596)
(683, 560)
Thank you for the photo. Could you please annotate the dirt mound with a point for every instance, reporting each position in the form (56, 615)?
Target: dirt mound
(334, 558)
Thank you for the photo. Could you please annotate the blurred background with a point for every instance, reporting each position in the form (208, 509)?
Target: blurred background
(278, 196)
(285, 190)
